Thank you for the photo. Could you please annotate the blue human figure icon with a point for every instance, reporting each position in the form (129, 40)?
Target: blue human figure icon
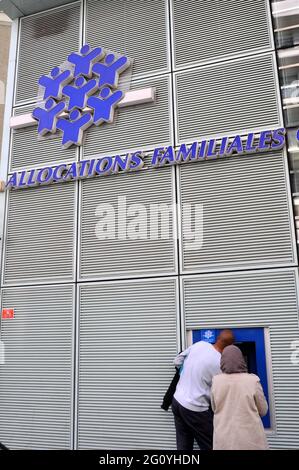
(53, 85)
(47, 117)
(104, 105)
(79, 92)
(84, 61)
(74, 127)
(110, 70)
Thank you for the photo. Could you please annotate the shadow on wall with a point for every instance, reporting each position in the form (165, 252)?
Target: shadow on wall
(43, 27)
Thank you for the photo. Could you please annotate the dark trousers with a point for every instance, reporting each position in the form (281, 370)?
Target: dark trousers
(192, 425)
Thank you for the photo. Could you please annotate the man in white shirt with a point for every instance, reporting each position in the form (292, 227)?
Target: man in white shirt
(191, 402)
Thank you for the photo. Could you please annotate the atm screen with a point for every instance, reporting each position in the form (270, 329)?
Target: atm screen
(249, 352)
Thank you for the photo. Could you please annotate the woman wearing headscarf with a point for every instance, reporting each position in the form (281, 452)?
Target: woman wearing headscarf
(238, 402)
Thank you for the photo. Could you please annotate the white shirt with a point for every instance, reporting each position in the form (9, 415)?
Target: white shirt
(200, 362)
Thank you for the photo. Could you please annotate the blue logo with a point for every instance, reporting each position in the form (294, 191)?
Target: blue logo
(208, 335)
(81, 93)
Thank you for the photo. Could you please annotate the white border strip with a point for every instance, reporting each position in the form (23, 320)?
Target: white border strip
(131, 98)
(6, 132)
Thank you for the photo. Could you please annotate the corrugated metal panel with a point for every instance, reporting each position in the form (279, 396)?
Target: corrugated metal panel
(39, 244)
(36, 380)
(121, 257)
(214, 29)
(246, 219)
(227, 98)
(127, 344)
(265, 299)
(45, 42)
(137, 28)
(139, 126)
(28, 151)
(23, 109)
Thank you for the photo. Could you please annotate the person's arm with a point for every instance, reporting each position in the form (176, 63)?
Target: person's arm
(260, 399)
(179, 359)
(213, 406)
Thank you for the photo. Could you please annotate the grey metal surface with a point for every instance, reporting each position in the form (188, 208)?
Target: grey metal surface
(18, 8)
(227, 98)
(28, 151)
(211, 30)
(40, 231)
(256, 299)
(135, 28)
(10, 9)
(127, 342)
(126, 257)
(36, 380)
(247, 218)
(45, 42)
(135, 127)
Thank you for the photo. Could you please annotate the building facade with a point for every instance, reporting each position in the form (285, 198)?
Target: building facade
(4, 49)
(96, 323)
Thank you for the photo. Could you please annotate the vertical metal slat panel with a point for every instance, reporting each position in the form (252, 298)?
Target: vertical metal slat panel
(137, 28)
(127, 343)
(36, 379)
(121, 255)
(229, 97)
(39, 243)
(246, 213)
(28, 151)
(256, 299)
(215, 29)
(46, 40)
(136, 127)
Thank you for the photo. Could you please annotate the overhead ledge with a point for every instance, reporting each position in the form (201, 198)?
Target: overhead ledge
(18, 8)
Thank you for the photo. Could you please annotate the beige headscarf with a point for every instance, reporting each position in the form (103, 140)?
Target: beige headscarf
(232, 361)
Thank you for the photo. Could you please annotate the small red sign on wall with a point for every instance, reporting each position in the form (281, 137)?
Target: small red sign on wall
(8, 313)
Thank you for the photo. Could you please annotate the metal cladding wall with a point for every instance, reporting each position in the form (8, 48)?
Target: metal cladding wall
(45, 41)
(237, 97)
(266, 299)
(97, 322)
(153, 129)
(42, 249)
(127, 339)
(246, 213)
(36, 382)
(124, 258)
(27, 151)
